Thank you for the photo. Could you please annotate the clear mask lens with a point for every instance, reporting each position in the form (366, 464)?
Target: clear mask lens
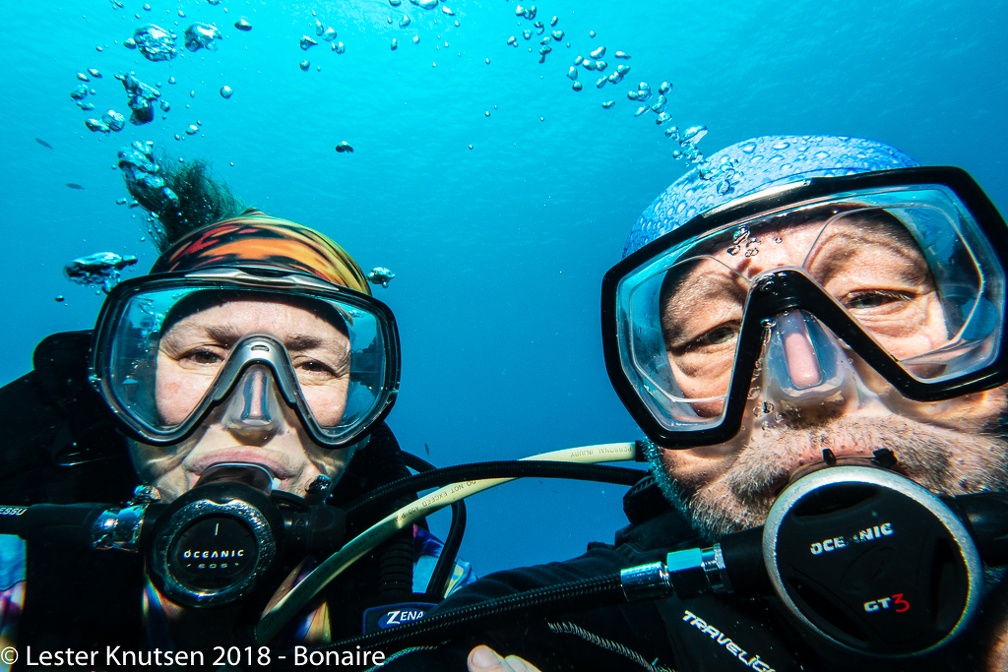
(908, 266)
(168, 353)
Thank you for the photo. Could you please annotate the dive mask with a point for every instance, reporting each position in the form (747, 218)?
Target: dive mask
(904, 268)
(340, 381)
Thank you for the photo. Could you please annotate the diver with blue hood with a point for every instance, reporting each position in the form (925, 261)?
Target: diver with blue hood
(235, 399)
(797, 325)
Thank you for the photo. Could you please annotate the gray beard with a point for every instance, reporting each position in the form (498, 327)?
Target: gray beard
(944, 461)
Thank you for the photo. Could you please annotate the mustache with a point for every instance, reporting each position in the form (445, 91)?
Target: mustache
(943, 460)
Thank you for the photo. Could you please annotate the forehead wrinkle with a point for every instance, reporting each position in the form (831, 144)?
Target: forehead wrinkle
(229, 321)
(769, 244)
(837, 246)
(229, 334)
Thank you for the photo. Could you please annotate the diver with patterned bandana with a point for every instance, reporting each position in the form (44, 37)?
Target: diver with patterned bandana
(254, 345)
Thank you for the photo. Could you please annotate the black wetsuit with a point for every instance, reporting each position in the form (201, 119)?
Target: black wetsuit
(721, 633)
(61, 445)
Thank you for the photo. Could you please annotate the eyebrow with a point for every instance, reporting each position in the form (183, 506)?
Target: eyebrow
(227, 334)
(308, 342)
(688, 289)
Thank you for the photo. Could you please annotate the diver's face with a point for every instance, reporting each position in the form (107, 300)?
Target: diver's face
(253, 425)
(878, 274)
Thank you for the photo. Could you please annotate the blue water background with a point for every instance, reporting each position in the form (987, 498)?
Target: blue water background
(499, 249)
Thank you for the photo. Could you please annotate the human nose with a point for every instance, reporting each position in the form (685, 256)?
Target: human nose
(805, 369)
(254, 407)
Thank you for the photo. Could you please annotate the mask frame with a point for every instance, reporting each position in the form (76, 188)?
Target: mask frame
(788, 289)
(249, 280)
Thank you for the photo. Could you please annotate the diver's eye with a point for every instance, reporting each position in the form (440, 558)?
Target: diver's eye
(867, 300)
(201, 358)
(315, 367)
(712, 342)
(316, 370)
(718, 336)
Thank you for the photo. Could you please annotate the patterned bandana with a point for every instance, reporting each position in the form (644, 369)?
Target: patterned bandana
(254, 238)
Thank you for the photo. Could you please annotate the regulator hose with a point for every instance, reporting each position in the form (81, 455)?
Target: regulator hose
(368, 504)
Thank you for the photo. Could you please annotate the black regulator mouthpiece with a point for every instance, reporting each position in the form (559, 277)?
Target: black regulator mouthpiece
(213, 544)
(222, 540)
(864, 557)
(872, 561)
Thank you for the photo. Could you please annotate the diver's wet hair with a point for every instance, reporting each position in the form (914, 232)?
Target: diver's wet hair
(202, 200)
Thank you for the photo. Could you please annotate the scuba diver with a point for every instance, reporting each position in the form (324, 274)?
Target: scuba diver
(796, 310)
(252, 358)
